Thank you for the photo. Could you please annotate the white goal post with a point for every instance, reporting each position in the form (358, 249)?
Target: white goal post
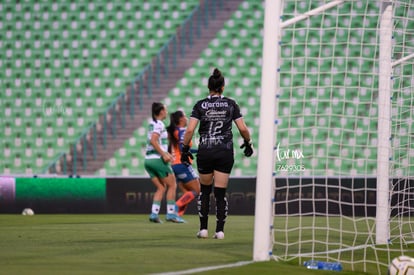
(268, 110)
(384, 126)
(324, 88)
(265, 166)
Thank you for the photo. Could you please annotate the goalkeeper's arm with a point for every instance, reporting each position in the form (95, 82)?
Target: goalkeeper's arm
(245, 133)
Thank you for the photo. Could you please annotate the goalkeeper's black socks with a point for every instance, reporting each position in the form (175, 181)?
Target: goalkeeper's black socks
(203, 205)
(221, 207)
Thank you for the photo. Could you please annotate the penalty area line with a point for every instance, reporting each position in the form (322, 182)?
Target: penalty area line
(202, 269)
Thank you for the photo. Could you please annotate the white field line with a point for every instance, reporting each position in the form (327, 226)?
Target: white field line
(202, 269)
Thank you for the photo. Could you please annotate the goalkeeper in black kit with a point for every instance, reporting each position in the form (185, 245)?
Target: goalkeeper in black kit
(215, 156)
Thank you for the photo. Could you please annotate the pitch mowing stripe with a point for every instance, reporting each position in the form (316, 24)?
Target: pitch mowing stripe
(202, 269)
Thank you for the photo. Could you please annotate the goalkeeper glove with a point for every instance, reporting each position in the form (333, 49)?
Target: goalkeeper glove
(186, 155)
(248, 148)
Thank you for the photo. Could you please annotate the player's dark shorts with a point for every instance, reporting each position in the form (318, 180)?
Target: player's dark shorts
(219, 160)
(184, 173)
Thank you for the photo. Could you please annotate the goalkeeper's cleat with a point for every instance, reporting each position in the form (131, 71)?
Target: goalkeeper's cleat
(154, 218)
(174, 218)
(219, 235)
(202, 234)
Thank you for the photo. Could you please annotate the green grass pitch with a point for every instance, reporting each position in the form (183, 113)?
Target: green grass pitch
(128, 244)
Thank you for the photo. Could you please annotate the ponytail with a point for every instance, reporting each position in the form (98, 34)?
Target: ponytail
(216, 81)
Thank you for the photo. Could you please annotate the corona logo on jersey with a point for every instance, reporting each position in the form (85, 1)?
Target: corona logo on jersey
(207, 105)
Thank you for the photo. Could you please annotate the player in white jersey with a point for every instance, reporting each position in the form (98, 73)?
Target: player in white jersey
(158, 165)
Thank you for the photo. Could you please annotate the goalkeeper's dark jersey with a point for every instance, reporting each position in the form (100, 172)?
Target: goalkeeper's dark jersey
(216, 115)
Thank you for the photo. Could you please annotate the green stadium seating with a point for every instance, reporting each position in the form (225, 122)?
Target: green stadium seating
(40, 61)
(54, 53)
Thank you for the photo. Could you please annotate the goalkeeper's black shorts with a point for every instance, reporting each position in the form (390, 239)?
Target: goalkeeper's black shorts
(215, 160)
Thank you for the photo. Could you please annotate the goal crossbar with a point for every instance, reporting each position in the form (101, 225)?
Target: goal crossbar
(402, 60)
(311, 13)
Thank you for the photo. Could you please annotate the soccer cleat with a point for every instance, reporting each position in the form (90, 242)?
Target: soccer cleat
(154, 218)
(174, 218)
(202, 234)
(219, 235)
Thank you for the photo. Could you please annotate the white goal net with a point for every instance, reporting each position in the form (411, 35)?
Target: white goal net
(343, 160)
